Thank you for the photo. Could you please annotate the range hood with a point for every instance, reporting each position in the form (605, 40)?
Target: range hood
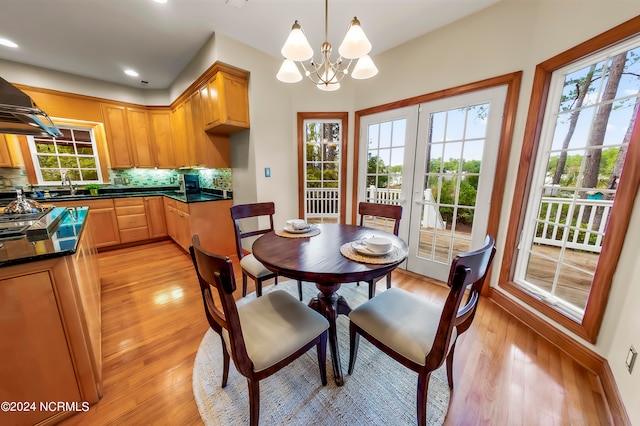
(19, 115)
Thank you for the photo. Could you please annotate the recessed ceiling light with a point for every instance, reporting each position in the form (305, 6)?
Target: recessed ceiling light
(160, 1)
(7, 42)
(132, 73)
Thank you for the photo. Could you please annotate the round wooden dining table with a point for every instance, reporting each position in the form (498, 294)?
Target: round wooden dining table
(318, 259)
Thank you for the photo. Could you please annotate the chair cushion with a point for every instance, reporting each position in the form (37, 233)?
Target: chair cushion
(253, 266)
(402, 322)
(276, 325)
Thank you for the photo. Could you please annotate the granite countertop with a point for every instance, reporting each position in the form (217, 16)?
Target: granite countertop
(44, 245)
(202, 196)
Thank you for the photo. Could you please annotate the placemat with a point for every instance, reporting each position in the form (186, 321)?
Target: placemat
(395, 255)
(283, 233)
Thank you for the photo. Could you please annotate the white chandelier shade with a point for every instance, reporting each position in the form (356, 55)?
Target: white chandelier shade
(288, 72)
(355, 43)
(297, 48)
(326, 74)
(365, 68)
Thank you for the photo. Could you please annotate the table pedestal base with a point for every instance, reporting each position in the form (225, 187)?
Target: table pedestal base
(330, 304)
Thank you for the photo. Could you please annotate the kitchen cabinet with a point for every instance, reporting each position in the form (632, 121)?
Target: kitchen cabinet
(140, 138)
(128, 136)
(163, 132)
(10, 151)
(132, 219)
(228, 101)
(103, 225)
(51, 333)
(178, 121)
(210, 220)
(117, 129)
(156, 222)
(199, 139)
(178, 222)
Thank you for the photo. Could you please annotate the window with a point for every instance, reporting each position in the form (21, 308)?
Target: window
(568, 237)
(321, 168)
(74, 153)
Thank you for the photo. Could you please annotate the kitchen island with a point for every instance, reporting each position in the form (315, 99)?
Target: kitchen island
(50, 350)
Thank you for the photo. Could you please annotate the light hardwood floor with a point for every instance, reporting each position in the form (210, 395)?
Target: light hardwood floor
(153, 322)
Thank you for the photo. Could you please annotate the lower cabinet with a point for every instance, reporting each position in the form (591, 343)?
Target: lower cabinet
(51, 334)
(156, 222)
(178, 222)
(132, 219)
(103, 224)
(211, 220)
(127, 220)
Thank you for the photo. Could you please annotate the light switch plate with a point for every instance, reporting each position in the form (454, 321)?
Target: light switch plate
(631, 358)
(267, 172)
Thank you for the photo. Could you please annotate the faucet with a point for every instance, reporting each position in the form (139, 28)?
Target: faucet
(72, 188)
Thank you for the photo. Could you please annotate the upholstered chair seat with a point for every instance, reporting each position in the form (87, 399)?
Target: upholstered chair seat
(402, 322)
(275, 326)
(251, 265)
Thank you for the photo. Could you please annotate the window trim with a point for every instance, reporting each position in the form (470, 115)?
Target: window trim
(343, 117)
(621, 211)
(100, 141)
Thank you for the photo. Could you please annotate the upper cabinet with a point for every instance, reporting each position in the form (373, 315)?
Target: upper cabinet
(228, 98)
(138, 137)
(165, 145)
(117, 129)
(10, 151)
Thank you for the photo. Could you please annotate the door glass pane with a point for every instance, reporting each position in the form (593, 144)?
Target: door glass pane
(451, 181)
(385, 158)
(323, 139)
(589, 123)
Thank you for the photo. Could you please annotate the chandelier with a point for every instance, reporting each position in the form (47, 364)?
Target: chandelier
(326, 75)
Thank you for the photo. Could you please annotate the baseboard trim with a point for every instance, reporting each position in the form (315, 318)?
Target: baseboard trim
(581, 354)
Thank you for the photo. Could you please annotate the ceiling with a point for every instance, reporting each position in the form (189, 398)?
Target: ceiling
(101, 38)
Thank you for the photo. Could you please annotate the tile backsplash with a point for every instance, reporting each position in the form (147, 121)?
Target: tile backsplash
(11, 178)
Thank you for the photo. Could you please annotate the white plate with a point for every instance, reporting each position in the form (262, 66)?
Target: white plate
(299, 231)
(364, 250)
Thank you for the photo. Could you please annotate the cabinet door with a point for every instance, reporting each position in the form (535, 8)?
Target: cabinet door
(199, 137)
(183, 230)
(156, 221)
(189, 132)
(35, 358)
(104, 227)
(116, 126)
(140, 138)
(163, 139)
(5, 157)
(228, 103)
(178, 117)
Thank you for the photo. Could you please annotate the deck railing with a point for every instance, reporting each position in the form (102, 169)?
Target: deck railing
(581, 224)
(322, 203)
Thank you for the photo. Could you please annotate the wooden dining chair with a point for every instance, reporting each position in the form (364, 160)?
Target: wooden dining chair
(386, 211)
(419, 334)
(262, 336)
(250, 265)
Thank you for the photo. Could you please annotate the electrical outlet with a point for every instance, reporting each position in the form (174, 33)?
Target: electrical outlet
(631, 358)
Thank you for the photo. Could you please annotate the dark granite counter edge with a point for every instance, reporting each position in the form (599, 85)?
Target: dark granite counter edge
(203, 196)
(44, 256)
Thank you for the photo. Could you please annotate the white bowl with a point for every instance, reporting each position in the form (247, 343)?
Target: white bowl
(295, 223)
(378, 244)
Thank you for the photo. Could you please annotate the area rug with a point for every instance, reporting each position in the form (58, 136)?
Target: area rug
(379, 392)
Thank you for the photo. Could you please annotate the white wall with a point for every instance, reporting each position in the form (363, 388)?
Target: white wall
(39, 77)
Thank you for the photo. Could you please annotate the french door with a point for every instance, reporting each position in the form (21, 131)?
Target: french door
(444, 181)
